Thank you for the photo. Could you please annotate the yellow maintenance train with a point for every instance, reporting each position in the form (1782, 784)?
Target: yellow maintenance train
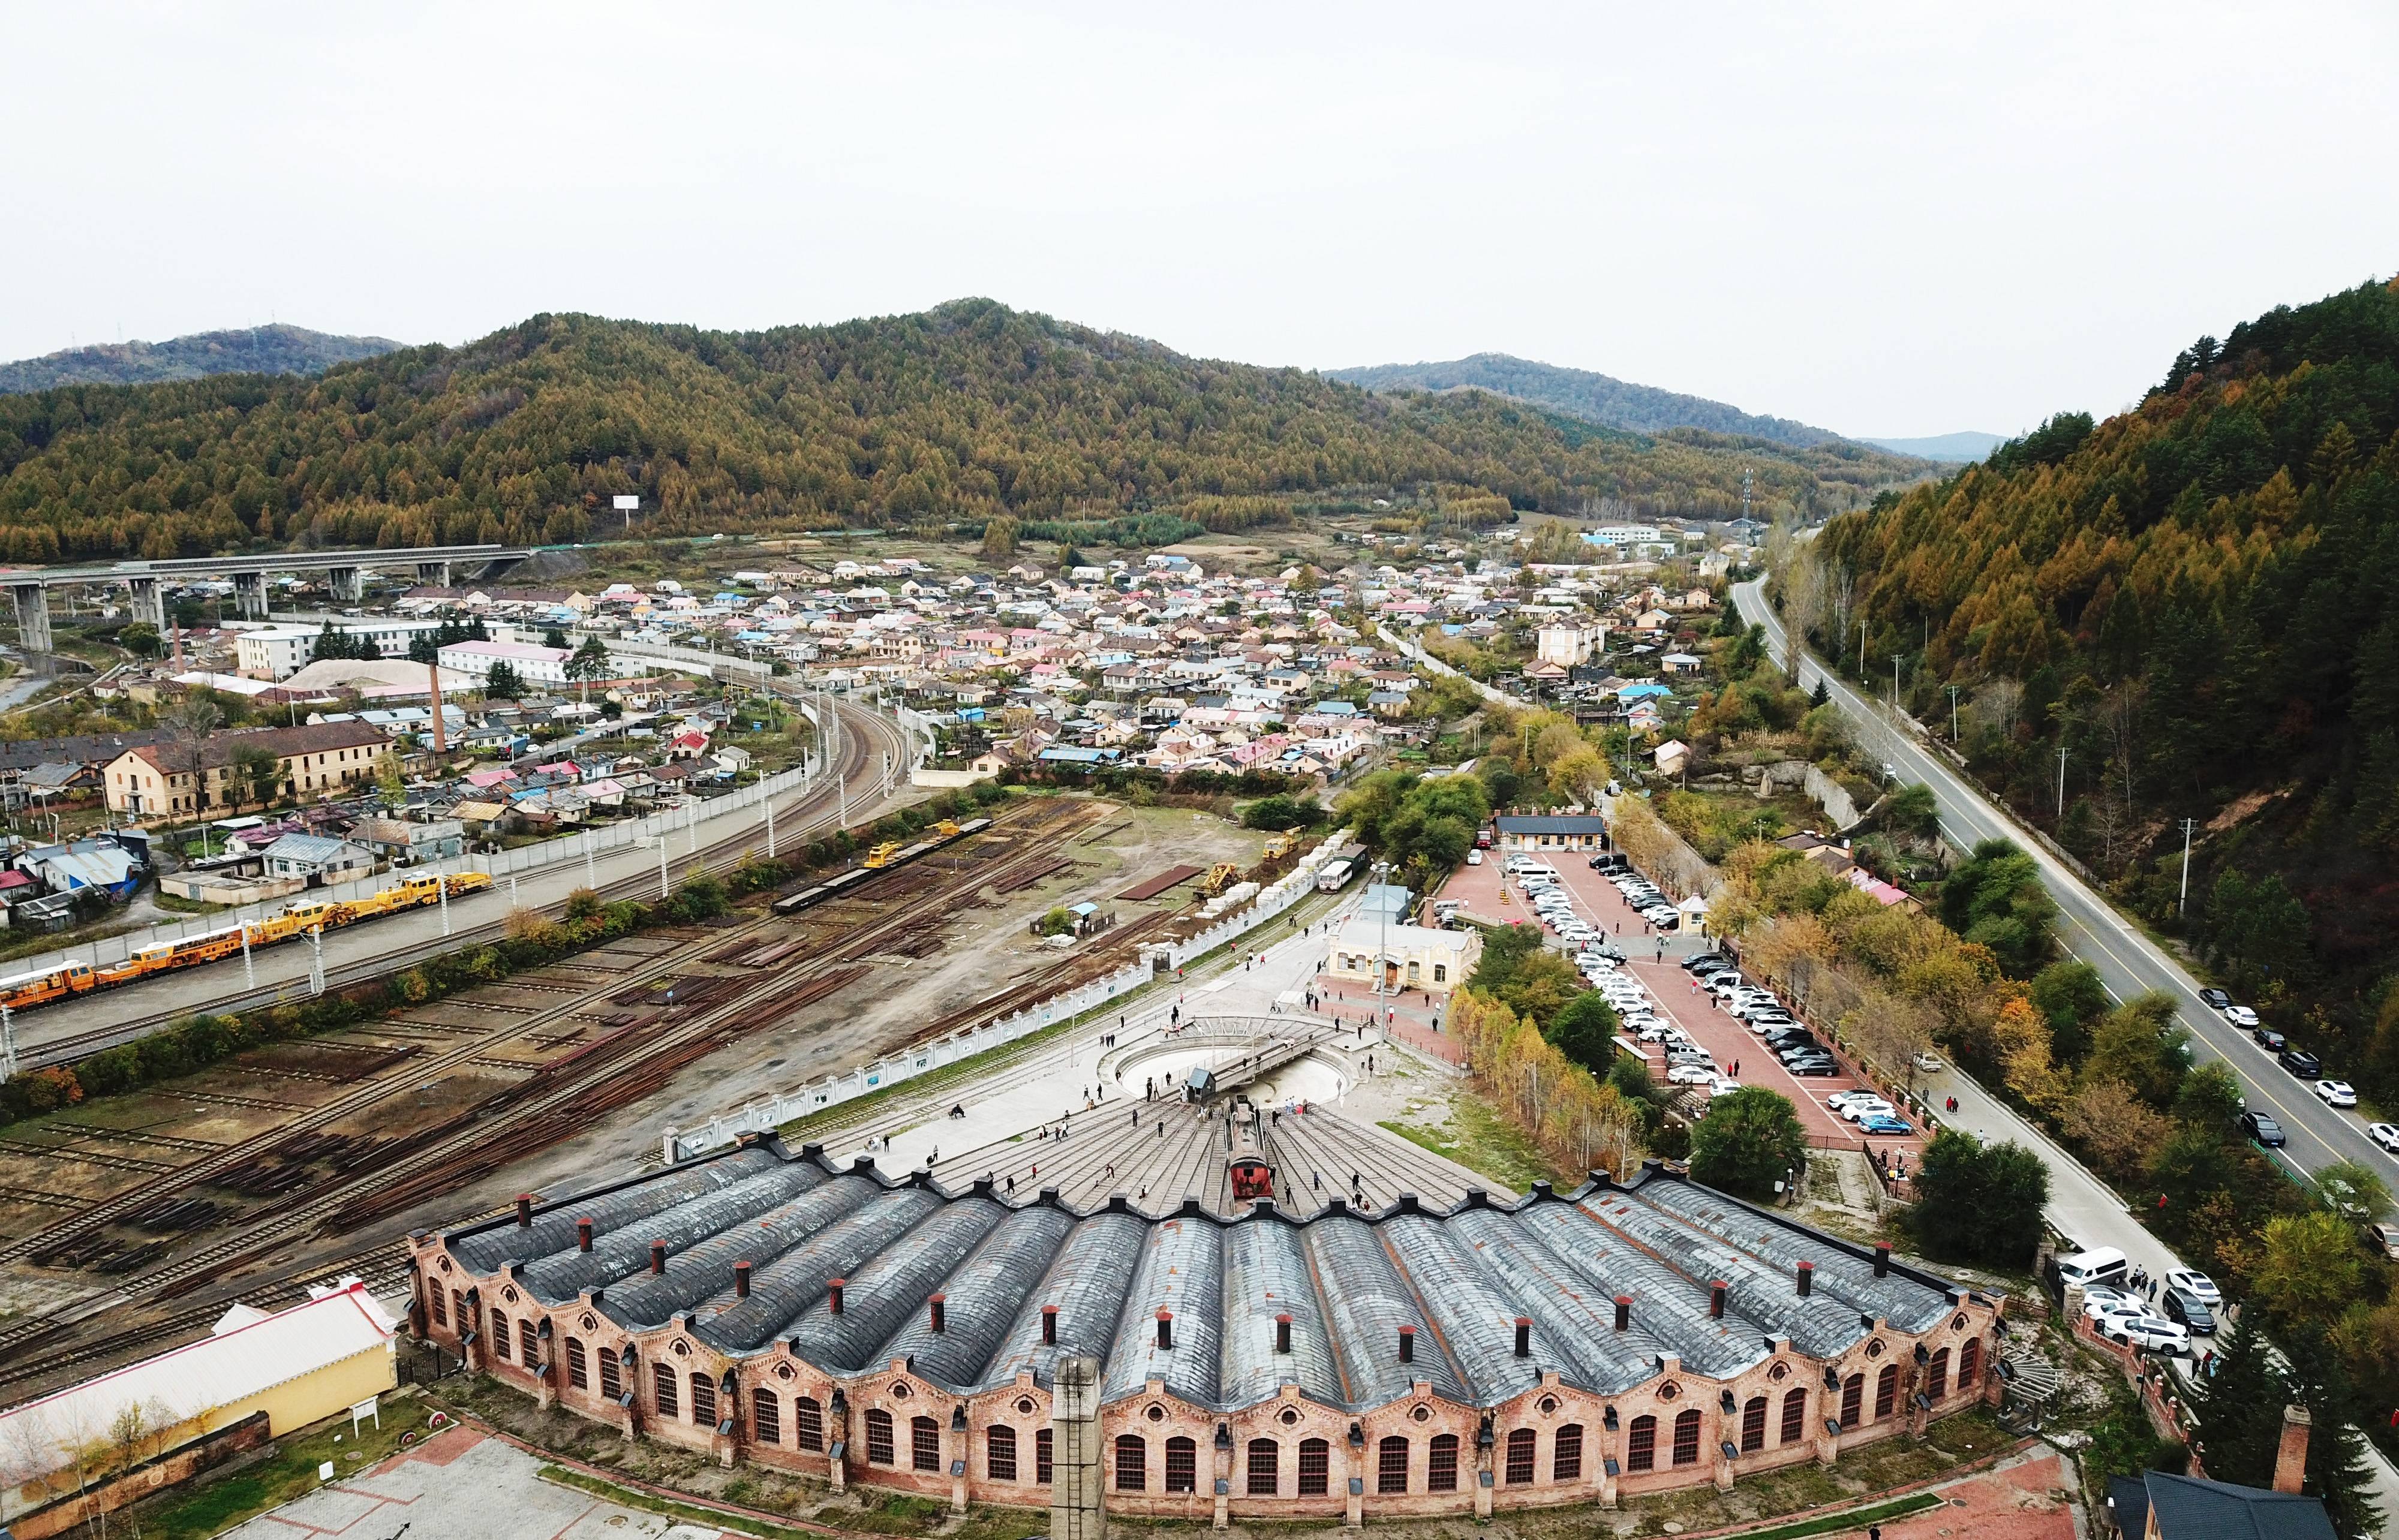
(297, 918)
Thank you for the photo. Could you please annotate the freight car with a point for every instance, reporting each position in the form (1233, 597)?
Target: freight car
(298, 918)
(882, 858)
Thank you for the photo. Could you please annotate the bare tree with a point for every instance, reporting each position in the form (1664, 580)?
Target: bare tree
(192, 719)
(1840, 597)
(1803, 605)
(1997, 706)
(2119, 719)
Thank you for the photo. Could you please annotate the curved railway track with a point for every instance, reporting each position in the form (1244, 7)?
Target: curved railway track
(865, 735)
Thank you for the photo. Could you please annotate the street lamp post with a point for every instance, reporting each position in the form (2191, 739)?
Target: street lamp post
(2184, 896)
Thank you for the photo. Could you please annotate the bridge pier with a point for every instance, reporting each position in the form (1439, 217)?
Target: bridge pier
(433, 574)
(149, 602)
(33, 616)
(250, 595)
(346, 588)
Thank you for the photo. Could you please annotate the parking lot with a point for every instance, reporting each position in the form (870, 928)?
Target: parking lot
(1654, 962)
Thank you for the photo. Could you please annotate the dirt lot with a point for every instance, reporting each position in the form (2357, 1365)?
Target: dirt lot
(983, 950)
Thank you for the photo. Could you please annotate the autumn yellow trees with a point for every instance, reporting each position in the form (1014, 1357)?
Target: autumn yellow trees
(964, 414)
(1578, 1122)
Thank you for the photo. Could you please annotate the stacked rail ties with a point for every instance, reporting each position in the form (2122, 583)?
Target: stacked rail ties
(1174, 1359)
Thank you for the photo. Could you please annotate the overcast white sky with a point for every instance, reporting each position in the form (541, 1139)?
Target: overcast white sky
(1891, 221)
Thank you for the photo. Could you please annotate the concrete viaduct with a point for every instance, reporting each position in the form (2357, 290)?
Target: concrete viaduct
(149, 580)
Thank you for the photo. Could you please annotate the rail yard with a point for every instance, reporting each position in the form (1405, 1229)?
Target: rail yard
(72, 1029)
(134, 1220)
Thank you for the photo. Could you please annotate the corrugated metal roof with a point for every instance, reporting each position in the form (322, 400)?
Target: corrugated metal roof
(181, 1385)
(1348, 1281)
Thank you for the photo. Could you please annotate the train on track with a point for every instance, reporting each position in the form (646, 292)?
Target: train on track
(1246, 1167)
(882, 858)
(300, 917)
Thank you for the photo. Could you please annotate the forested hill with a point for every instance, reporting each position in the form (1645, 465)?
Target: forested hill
(961, 413)
(1580, 393)
(256, 350)
(2197, 601)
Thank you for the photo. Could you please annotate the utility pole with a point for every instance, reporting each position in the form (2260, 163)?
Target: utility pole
(2060, 780)
(7, 1042)
(2184, 896)
(1953, 713)
(770, 800)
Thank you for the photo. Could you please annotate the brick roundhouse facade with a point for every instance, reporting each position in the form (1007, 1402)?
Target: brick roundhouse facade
(774, 1308)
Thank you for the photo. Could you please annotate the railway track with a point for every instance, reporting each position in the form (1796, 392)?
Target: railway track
(864, 738)
(546, 1106)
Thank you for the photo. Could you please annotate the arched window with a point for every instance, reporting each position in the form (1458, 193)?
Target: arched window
(1853, 1395)
(1795, 1417)
(766, 1415)
(1132, 1462)
(1181, 1464)
(999, 1452)
(1886, 1391)
(577, 1375)
(664, 1383)
(1566, 1460)
(612, 1384)
(499, 1337)
(1687, 1438)
(811, 1418)
(1392, 1465)
(1970, 1362)
(1315, 1466)
(703, 1399)
(1752, 1425)
(529, 1343)
(1266, 1472)
(924, 1443)
(1520, 1457)
(1641, 1443)
(878, 1438)
(1936, 1375)
(1041, 1456)
(434, 1300)
(1441, 1463)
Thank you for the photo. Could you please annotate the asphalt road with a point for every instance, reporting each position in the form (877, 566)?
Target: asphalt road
(2127, 961)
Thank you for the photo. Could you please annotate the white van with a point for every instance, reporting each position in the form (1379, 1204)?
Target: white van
(1537, 868)
(2100, 1265)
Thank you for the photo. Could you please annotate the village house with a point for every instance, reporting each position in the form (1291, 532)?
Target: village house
(155, 780)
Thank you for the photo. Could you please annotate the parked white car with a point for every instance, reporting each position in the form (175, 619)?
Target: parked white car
(2384, 1134)
(2157, 1334)
(1692, 1074)
(2191, 1281)
(2337, 1093)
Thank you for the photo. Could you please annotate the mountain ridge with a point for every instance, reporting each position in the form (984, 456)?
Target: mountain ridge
(1962, 448)
(276, 349)
(1583, 393)
(956, 415)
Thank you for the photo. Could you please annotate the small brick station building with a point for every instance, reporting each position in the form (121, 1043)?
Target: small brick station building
(772, 1307)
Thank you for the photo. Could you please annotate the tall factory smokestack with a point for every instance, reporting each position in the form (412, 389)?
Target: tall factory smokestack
(440, 735)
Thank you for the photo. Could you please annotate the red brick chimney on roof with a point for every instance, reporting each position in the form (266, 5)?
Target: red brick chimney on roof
(2291, 1455)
